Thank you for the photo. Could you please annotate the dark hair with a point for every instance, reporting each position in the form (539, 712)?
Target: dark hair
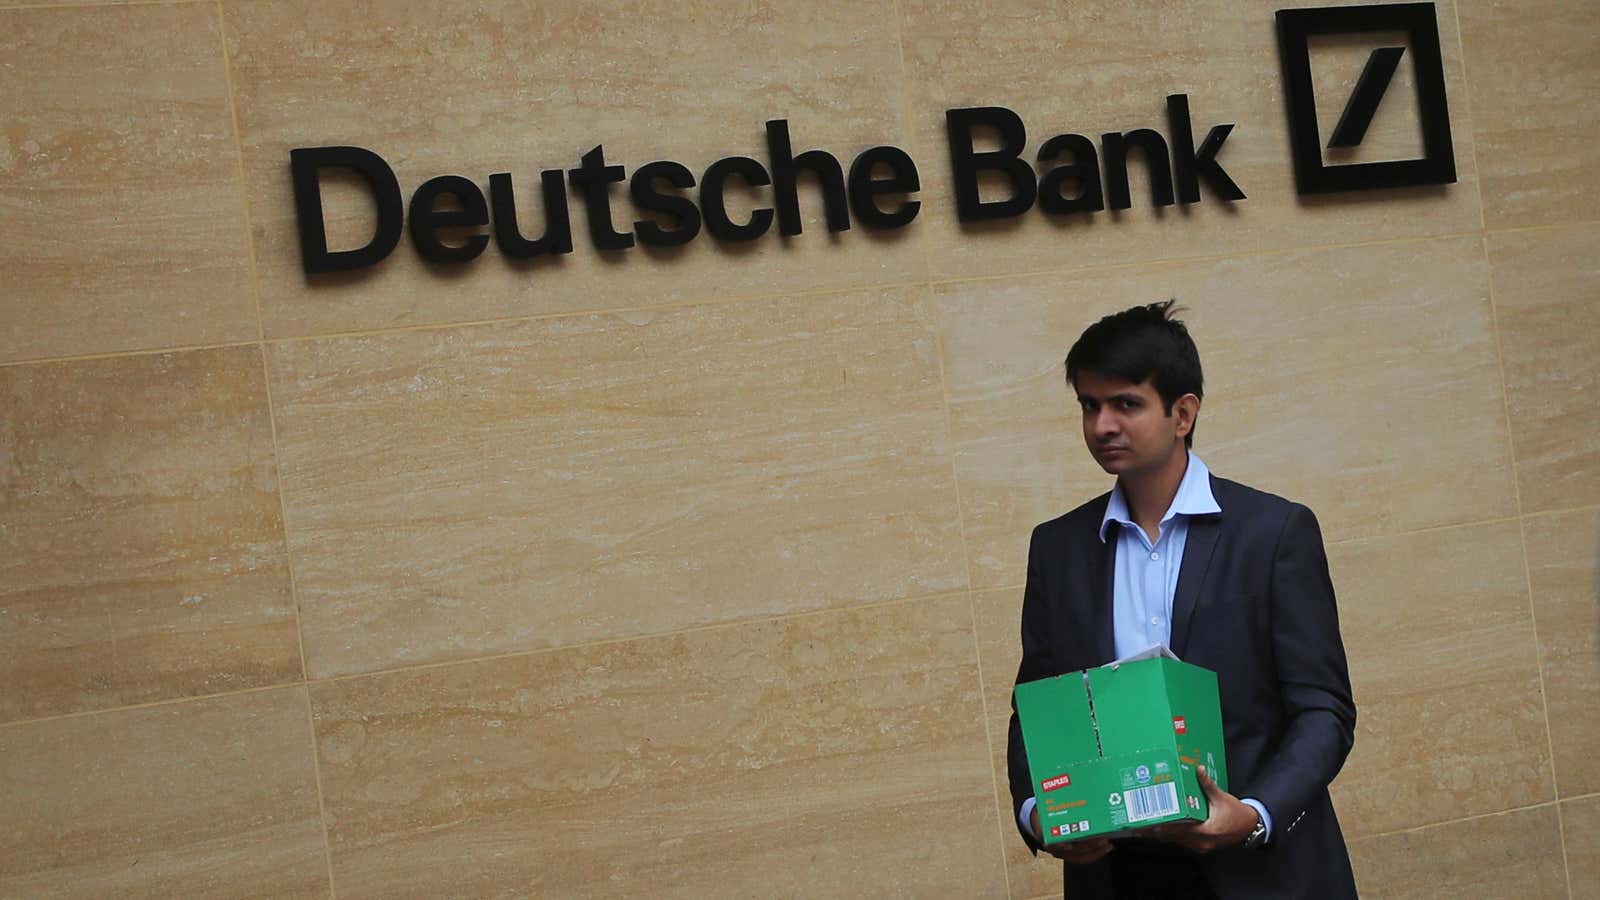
(1139, 343)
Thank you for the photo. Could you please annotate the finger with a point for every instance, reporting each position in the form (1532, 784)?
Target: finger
(1085, 842)
(1173, 831)
(1206, 784)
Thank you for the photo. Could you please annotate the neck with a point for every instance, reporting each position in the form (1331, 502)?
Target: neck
(1149, 494)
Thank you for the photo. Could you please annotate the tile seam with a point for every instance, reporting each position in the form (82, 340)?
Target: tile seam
(1414, 532)
(499, 320)
(509, 654)
(1538, 514)
(934, 283)
(322, 806)
(119, 354)
(1000, 808)
(908, 118)
(950, 439)
(238, 164)
(153, 704)
(1209, 257)
(655, 635)
(272, 422)
(1544, 702)
(1511, 442)
(1549, 226)
(1440, 824)
(710, 626)
(299, 622)
(1477, 174)
(93, 4)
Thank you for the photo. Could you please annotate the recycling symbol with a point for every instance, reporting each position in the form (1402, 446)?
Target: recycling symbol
(1115, 799)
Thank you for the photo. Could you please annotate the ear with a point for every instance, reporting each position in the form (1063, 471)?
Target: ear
(1186, 409)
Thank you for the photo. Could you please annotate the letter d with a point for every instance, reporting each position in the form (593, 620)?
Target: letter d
(314, 254)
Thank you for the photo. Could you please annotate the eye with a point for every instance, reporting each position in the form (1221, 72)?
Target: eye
(1127, 403)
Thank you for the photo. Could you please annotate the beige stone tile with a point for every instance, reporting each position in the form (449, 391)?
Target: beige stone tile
(1514, 854)
(1562, 563)
(123, 225)
(141, 537)
(526, 484)
(999, 617)
(1361, 381)
(524, 87)
(1581, 822)
(1534, 78)
(1547, 306)
(1441, 647)
(205, 798)
(1102, 67)
(809, 756)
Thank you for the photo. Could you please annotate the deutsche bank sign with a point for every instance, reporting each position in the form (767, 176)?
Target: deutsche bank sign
(1312, 176)
(446, 214)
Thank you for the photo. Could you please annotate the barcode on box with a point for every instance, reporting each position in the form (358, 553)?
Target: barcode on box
(1151, 802)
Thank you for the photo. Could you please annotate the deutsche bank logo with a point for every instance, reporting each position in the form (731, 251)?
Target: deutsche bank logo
(1311, 175)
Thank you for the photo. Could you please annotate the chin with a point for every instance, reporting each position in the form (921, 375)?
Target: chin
(1115, 466)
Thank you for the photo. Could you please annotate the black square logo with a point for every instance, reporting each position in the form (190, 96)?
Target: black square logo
(1417, 21)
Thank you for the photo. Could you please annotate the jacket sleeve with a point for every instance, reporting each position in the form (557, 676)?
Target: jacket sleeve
(1313, 677)
(1036, 663)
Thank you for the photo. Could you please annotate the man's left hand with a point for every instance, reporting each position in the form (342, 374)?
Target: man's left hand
(1230, 821)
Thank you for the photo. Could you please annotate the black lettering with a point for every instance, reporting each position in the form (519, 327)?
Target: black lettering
(315, 257)
(426, 221)
(645, 196)
(557, 237)
(786, 171)
(1085, 167)
(966, 163)
(594, 178)
(1114, 147)
(864, 187)
(712, 187)
(1187, 163)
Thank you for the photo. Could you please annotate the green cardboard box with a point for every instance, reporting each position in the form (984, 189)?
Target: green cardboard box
(1113, 750)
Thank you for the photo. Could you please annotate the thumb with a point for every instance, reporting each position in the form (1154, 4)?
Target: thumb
(1206, 784)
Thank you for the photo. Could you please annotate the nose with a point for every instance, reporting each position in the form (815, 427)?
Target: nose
(1105, 423)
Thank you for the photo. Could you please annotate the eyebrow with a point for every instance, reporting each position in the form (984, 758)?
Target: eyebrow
(1118, 396)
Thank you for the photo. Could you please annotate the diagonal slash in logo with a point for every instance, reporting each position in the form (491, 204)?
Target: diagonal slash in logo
(1369, 93)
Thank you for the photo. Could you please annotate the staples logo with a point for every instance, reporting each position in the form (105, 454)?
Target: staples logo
(1060, 781)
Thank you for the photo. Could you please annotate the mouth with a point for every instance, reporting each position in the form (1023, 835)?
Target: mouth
(1112, 451)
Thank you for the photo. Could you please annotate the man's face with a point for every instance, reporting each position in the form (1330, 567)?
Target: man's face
(1127, 429)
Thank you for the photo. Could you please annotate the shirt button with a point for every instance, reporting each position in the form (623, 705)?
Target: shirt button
(1154, 555)
(1155, 620)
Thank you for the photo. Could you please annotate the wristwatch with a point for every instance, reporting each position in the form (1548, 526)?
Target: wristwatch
(1258, 835)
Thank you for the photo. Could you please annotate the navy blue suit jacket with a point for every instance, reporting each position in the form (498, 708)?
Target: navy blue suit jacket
(1254, 604)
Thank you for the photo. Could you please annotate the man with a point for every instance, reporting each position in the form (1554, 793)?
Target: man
(1231, 579)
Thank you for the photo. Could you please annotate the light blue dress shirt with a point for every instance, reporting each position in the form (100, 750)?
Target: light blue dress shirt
(1146, 574)
(1145, 579)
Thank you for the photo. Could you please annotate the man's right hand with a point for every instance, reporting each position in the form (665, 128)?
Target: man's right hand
(1077, 853)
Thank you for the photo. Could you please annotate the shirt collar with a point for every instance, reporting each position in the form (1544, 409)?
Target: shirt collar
(1194, 498)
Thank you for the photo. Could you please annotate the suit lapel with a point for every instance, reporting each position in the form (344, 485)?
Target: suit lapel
(1102, 569)
(1197, 552)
